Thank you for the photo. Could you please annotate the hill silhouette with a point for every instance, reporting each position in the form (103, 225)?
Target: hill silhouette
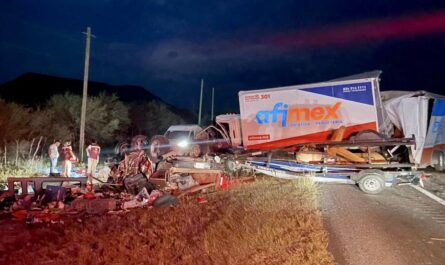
(34, 89)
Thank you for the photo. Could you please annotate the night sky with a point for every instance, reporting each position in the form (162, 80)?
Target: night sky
(167, 46)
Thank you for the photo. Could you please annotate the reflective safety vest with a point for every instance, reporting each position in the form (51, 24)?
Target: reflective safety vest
(93, 151)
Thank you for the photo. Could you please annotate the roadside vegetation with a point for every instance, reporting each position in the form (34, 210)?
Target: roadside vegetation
(26, 133)
(265, 222)
(24, 168)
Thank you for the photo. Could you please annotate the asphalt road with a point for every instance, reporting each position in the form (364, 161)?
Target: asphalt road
(398, 226)
(435, 183)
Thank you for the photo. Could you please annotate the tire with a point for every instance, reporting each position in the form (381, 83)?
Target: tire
(159, 145)
(230, 166)
(440, 163)
(121, 148)
(372, 183)
(195, 151)
(138, 142)
(205, 148)
(438, 167)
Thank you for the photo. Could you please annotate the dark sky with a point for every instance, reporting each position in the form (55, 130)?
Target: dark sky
(167, 46)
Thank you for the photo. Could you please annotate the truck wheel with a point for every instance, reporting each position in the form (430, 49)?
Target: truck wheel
(230, 166)
(121, 148)
(138, 142)
(372, 183)
(195, 150)
(159, 145)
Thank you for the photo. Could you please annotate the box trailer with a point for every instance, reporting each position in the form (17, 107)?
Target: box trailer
(422, 114)
(285, 116)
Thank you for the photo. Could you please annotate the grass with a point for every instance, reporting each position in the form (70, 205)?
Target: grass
(266, 222)
(23, 168)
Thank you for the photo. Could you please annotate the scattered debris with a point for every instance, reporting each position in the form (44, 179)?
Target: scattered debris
(201, 200)
(140, 200)
(165, 201)
(132, 183)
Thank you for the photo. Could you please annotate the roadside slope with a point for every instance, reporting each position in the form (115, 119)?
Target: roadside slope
(265, 222)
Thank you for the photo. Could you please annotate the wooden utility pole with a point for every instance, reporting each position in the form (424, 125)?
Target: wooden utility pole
(200, 102)
(85, 93)
(213, 102)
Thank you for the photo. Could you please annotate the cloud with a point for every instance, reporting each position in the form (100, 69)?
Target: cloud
(181, 58)
(176, 58)
(361, 32)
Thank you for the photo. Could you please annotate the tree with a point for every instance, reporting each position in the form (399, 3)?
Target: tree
(14, 121)
(106, 117)
(152, 118)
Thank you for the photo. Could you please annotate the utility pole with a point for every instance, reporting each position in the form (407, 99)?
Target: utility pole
(213, 102)
(200, 102)
(85, 93)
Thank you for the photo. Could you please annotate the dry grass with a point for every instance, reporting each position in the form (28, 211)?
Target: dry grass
(267, 222)
(24, 167)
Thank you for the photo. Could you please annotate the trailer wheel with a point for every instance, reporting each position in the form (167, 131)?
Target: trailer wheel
(371, 183)
(440, 161)
(159, 145)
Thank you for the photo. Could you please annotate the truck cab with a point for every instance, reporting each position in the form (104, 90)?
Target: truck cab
(230, 124)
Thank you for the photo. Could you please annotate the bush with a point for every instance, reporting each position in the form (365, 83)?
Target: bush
(24, 168)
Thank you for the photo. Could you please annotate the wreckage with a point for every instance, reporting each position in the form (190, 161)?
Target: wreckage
(133, 182)
(338, 131)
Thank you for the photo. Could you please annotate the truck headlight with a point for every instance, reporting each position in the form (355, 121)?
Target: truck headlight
(183, 144)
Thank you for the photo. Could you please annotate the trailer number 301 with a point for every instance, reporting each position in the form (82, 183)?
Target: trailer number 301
(265, 96)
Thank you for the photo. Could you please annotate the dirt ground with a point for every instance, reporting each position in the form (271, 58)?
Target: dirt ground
(266, 222)
(398, 226)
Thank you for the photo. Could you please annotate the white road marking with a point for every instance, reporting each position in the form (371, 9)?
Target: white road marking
(429, 194)
(437, 239)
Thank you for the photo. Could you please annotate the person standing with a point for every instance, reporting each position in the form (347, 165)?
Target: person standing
(93, 152)
(53, 153)
(68, 157)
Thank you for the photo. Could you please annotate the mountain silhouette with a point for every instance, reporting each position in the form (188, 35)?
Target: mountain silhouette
(34, 89)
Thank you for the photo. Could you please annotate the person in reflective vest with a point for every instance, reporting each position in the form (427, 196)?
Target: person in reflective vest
(68, 157)
(93, 152)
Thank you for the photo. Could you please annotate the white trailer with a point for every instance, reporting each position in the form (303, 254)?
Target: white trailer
(283, 116)
(421, 114)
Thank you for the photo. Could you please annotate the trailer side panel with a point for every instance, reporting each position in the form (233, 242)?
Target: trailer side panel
(273, 118)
